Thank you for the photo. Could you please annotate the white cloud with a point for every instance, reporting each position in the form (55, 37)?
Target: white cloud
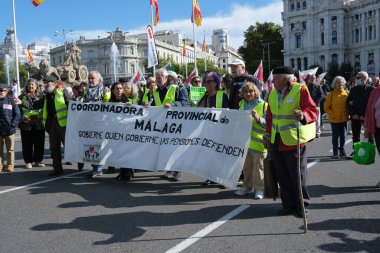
(236, 20)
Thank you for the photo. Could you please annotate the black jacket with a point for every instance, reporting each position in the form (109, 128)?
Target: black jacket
(357, 99)
(9, 116)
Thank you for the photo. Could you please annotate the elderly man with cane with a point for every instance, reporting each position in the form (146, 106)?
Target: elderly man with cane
(291, 109)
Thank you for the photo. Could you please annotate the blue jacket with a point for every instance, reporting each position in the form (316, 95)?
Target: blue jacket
(9, 116)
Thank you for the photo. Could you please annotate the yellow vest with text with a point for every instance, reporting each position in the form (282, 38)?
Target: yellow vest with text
(257, 132)
(60, 108)
(28, 112)
(219, 99)
(169, 97)
(283, 120)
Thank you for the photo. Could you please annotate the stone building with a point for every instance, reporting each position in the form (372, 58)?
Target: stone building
(324, 31)
(133, 52)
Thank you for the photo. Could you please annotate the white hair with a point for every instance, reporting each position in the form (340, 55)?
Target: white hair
(336, 79)
(163, 71)
(98, 74)
(363, 73)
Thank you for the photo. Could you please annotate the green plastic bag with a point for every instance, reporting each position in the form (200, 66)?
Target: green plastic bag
(364, 153)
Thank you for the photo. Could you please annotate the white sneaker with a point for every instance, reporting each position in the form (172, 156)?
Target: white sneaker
(28, 166)
(177, 176)
(259, 195)
(242, 191)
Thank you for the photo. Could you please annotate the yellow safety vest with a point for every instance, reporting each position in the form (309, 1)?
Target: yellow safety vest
(28, 112)
(257, 132)
(219, 99)
(60, 109)
(169, 97)
(283, 120)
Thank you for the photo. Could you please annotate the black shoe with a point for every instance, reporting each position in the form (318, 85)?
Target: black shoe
(55, 173)
(123, 177)
(285, 211)
(68, 163)
(207, 183)
(80, 166)
(343, 154)
(111, 170)
(298, 213)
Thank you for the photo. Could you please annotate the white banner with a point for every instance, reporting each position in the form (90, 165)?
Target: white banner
(210, 143)
(152, 52)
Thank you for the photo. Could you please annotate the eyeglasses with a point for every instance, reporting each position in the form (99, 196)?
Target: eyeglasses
(208, 81)
(197, 81)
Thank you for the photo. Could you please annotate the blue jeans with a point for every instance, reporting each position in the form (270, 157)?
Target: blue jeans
(96, 168)
(339, 132)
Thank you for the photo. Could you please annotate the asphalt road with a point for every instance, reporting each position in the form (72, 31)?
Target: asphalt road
(149, 214)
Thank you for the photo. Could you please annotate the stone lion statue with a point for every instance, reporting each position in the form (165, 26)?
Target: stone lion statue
(46, 69)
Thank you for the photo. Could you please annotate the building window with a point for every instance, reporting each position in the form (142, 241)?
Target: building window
(322, 61)
(224, 60)
(304, 24)
(91, 67)
(146, 53)
(322, 39)
(291, 26)
(357, 35)
(133, 68)
(298, 5)
(322, 21)
(106, 69)
(305, 63)
(334, 37)
(224, 66)
(371, 57)
(90, 53)
(334, 58)
(304, 5)
(132, 51)
(60, 59)
(298, 41)
(54, 61)
(299, 63)
(292, 7)
(292, 63)
(370, 31)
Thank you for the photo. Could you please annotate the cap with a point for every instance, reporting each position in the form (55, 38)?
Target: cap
(124, 79)
(283, 70)
(3, 85)
(237, 62)
(50, 79)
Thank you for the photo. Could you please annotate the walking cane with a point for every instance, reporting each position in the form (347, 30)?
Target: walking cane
(299, 177)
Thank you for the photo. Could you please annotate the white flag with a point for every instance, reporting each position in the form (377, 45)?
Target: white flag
(304, 73)
(152, 52)
(320, 78)
(137, 77)
(192, 74)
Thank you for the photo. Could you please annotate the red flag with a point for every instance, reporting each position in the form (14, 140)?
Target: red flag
(37, 2)
(29, 55)
(183, 48)
(157, 17)
(268, 86)
(204, 46)
(259, 72)
(192, 74)
(196, 13)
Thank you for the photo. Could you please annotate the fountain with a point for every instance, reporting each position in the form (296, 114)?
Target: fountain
(115, 59)
(8, 62)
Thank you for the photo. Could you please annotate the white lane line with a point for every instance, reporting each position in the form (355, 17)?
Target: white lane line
(41, 182)
(202, 233)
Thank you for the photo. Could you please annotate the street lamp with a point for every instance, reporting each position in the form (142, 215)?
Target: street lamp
(64, 34)
(267, 44)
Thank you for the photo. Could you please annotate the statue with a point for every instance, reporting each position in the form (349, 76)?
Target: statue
(42, 70)
(70, 70)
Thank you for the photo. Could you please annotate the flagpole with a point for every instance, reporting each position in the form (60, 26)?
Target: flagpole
(16, 51)
(151, 15)
(204, 53)
(195, 40)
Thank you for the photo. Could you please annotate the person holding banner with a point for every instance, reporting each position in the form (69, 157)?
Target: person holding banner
(118, 96)
(131, 92)
(148, 99)
(54, 118)
(96, 92)
(169, 95)
(196, 91)
(290, 104)
(213, 98)
(254, 162)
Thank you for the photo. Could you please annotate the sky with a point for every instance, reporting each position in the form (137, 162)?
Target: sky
(93, 18)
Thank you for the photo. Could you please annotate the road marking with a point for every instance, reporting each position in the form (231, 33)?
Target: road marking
(40, 182)
(202, 233)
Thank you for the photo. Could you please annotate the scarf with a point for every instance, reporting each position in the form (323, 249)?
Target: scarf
(94, 93)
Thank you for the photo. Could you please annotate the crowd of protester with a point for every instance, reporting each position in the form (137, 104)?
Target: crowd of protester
(289, 106)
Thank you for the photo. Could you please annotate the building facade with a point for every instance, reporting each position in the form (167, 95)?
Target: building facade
(133, 52)
(324, 31)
